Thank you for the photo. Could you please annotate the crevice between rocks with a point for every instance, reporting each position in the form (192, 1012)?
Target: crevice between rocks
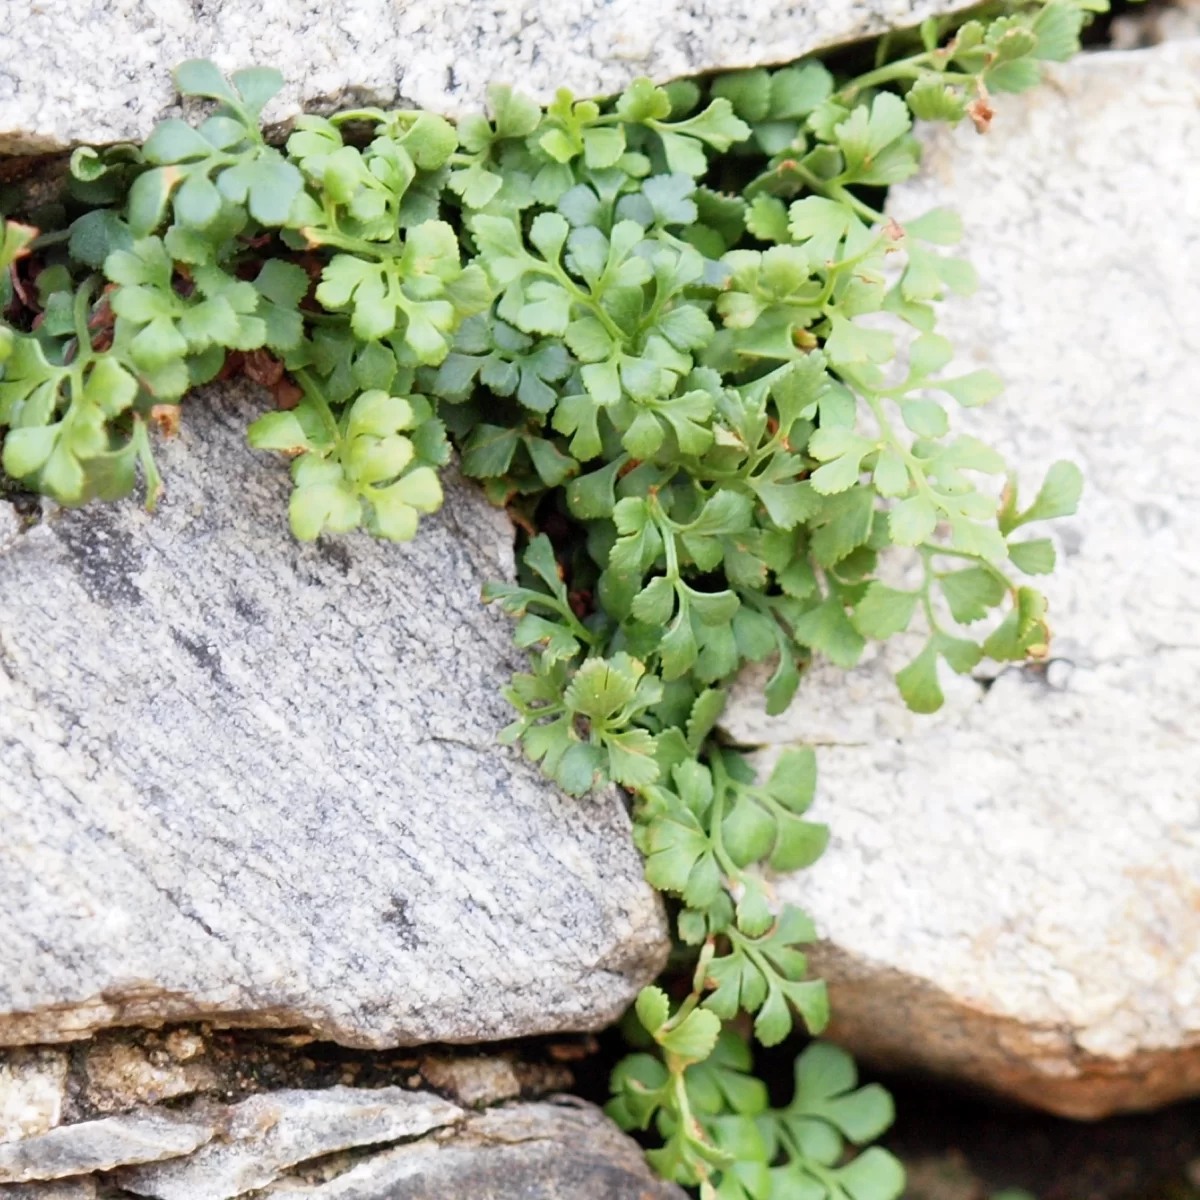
(189, 1074)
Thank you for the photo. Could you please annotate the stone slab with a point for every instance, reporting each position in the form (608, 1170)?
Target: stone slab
(1012, 892)
(57, 89)
(81, 1188)
(33, 1086)
(146, 1135)
(258, 783)
(265, 1135)
(542, 1151)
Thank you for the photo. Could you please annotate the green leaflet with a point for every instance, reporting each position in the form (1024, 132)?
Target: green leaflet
(720, 1128)
(648, 326)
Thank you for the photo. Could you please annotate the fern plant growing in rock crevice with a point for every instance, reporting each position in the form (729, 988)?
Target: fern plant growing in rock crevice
(641, 323)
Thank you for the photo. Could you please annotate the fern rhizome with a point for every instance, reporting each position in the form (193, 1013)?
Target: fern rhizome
(639, 322)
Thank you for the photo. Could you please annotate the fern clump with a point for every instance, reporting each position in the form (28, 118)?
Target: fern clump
(652, 323)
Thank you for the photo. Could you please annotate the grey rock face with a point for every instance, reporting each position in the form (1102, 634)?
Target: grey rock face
(82, 1188)
(531, 1151)
(1012, 893)
(10, 525)
(57, 91)
(266, 1134)
(146, 1135)
(258, 782)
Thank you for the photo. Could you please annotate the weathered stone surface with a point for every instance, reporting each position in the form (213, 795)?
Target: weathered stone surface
(147, 1135)
(479, 1081)
(10, 526)
(123, 1069)
(57, 91)
(83, 1188)
(120, 1075)
(1177, 19)
(263, 1136)
(318, 1144)
(527, 1151)
(1012, 894)
(33, 1086)
(258, 782)
(473, 1081)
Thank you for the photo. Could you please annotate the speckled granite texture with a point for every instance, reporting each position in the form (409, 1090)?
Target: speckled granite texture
(258, 782)
(78, 71)
(1012, 894)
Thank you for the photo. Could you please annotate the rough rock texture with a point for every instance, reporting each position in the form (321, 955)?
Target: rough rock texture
(120, 1072)
(258, 782)
(10, 526)
(325, 1145)
(264, 1135)
(1012, 895)
(57, 91)
(33, 1086)
(1164, 22)
(529, 1151)
(474, 1081)
(146, 1135)
(83, 1188)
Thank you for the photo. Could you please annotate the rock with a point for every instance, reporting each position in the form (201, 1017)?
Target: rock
(33, 1086)
(122, 1069)
(473, 1081)
(294, 1143)
(265, 1135)
(476, 1082)
(1162, 23)
(528, 1151)
(10, 525)
(1012, 893)
(144, 1136)
(256, 782)
(121, 1075)
(58, 1189)
(56, 91)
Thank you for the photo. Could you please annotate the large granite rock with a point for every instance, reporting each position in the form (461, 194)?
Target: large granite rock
(77, 71)
(258, 782)
(1012, 893)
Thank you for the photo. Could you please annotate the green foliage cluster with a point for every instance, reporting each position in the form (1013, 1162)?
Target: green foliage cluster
(796, 1151)
(650, 322)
